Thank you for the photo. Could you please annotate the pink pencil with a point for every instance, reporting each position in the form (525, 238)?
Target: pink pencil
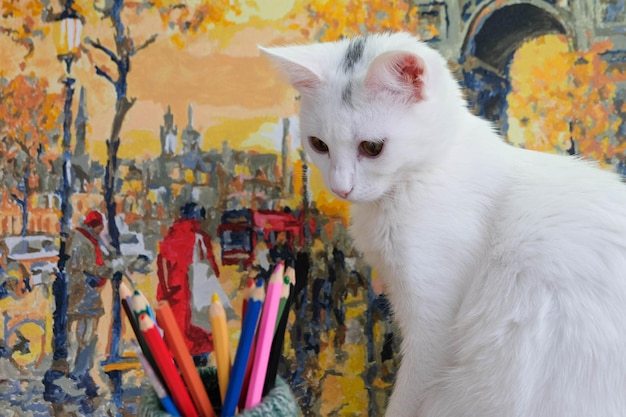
(264, 337)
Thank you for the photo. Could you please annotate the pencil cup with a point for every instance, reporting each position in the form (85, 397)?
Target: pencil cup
(279, 402)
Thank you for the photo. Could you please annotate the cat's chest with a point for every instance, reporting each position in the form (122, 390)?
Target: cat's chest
(383, 235)
(414, 243)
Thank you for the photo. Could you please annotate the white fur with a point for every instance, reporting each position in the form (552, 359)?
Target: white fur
(505, 267)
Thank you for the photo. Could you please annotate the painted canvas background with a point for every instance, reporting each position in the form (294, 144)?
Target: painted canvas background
(200, 116)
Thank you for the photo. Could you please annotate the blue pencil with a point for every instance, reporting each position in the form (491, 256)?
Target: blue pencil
(248, 331)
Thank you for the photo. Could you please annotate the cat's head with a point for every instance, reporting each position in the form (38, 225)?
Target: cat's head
(373, 109)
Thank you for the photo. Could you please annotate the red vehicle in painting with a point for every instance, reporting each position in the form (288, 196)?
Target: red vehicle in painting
(240, 231)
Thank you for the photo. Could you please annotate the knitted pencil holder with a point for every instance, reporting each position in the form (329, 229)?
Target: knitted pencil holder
(279, 402)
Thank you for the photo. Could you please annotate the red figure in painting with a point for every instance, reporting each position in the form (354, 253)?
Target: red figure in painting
(185, 240)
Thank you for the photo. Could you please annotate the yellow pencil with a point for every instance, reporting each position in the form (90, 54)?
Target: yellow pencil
(217, 316)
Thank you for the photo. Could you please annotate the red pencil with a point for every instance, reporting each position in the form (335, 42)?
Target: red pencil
(171, 377)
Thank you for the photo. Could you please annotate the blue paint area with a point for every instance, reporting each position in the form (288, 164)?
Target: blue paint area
(487, 94)
(52, 392)
(27, 399)
(615, 56)
(466, 12)
(614, 11)
(4, 291)
(193, 160)
(118, 390)
(59, 327)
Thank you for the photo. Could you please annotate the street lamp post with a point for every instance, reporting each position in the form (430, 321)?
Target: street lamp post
(67, 35)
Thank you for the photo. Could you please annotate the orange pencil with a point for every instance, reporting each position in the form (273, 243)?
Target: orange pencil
(176, 342)
(171, 377)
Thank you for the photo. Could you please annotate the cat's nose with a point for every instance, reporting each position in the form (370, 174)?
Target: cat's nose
(342, 193)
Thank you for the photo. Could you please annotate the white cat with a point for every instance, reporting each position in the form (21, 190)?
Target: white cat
(506, 268)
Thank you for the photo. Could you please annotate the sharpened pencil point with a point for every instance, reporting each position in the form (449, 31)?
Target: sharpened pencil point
(125, 292)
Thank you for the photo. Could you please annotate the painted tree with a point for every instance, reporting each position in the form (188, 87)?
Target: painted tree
(178, 19)
(29, 124)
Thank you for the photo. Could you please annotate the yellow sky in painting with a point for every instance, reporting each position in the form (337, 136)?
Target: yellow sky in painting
(232, 89)
(235, 93)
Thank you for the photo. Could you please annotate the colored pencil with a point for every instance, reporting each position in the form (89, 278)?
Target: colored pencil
(176, 342)
(279, 335)
(219, 329)
(153, 379)
(246, 378)
(284, 295)
(244, 388)
(246, 296)
(248, 331)
(126, 298)
(264, 337)
(141, 305)
(171, 377)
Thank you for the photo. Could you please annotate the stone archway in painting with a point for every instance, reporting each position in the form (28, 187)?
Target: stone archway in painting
(495, 33)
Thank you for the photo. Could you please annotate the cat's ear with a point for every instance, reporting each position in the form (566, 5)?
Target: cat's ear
(296, 63)
(398, 72)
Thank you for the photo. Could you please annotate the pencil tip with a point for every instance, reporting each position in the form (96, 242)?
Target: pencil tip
(279, 267)
(125, 291)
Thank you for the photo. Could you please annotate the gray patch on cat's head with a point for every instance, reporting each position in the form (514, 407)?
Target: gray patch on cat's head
(346, 95)
(353, 54)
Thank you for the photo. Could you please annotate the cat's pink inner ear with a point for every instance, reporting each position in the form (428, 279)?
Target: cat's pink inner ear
(302, 78)
(411, 70)
(399, 72)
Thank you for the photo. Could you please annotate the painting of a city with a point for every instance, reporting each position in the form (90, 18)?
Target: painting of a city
(131, 118)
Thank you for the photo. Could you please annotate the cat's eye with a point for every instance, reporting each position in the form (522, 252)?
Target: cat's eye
(371, 149)
(318, 144)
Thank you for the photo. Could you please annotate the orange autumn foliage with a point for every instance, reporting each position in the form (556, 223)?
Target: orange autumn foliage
(29, 120)
(26, 21)
(200, 17)
(554, 88)
(21, 23)
(28, 112)
(334, 19)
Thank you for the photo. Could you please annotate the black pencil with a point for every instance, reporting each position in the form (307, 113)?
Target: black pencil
(126, 298)
(279, 337)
